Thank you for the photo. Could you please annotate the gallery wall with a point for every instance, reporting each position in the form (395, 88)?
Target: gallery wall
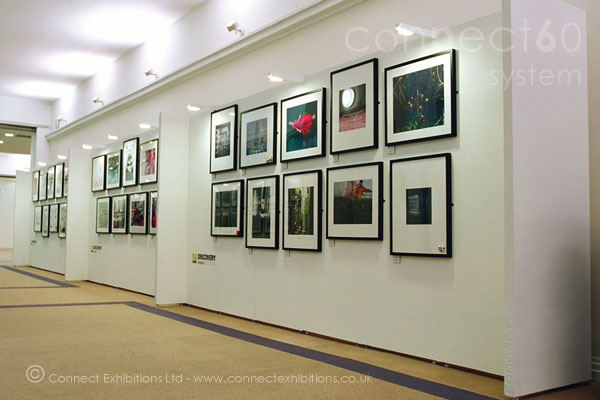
(7, 211)
(353, 290)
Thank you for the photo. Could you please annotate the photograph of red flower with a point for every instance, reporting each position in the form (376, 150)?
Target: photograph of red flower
(302, 127)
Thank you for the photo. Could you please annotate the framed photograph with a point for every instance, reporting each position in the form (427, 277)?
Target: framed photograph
(355, 107)
(59, 180)
(45, 221)
(355, 202)
(303, 126)
(138, 213)
(37, 219)
(149, 162)
(262, 212)
(113, 170)
(98, 173)
(118, 214)
(103, 215)
(223, 139)
(53, 218)
(50, 183)
(420, 99)
(258, 135)
(153, 212)
(421, 206)
(227, 209)
(42, 185)
(62, 220)
(129, 162)
(66, 181)
(302, 210)
(35, 181)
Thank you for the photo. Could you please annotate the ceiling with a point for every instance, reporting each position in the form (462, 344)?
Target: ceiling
(15, 139)
(47, 47)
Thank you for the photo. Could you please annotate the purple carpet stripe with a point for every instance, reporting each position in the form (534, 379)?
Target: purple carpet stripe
(411, 382)
(39, 277)
(104, 303)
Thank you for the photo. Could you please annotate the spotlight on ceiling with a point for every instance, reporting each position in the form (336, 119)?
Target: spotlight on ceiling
(192, 108)
(42, 164)
(61, 157)
(409, 30)
(144, 125)
(234, 27)
(112, 137)
(1, 141)
(276, 77)
(86, 147)
(59, 120)
(8, 134)
(97, 100)
(150, 72)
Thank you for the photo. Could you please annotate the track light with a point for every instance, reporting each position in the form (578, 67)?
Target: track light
(409, 30)
(192, 108)
(234, 27)
(59, 120)
(276, 77)
(97, 100)
(150, 72)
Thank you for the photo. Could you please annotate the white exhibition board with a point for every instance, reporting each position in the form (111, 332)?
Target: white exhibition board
(548, 332)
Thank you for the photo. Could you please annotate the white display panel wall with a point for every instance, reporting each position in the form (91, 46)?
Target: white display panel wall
(353, 290)
(124, 260)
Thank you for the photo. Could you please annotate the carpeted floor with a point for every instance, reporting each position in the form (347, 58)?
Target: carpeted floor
(90, 341)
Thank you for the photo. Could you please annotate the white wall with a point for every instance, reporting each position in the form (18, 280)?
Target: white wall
(7, 212)
(548, 243)
(10, 163)
(18, 111)
(78, 211)
(23, 230)
(353, 290)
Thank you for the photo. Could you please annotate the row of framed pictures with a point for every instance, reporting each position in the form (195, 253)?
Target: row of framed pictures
(420, 104)
(122, 168)
(420, 212)
(51, 183)
(50, 218)
(135, 213)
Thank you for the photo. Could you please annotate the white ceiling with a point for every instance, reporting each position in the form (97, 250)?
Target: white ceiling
(50, 46)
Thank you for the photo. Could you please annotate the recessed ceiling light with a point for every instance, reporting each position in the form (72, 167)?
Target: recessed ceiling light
(144, 125)
(112, 137)
(1, 141)
(7, 134)
(61, 157)
(42, 164)
(276, 77)
(86, 147)
(402, 30)
(192, 108)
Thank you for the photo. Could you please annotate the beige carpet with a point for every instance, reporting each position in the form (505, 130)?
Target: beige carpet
(114, 351)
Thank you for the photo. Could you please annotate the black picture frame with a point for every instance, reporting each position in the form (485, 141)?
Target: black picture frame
(371, 124)
(42, 185)
(99, 182)
(137, 230)
(50, 183)
(130, 148)
(315, 242)
(264, 111)
(62, 222)
(35, 184)
(53, 218)
(431, 132)
(37, 213)
(45, 221)
(224, 116)
(114, 185)
(350, 174)
(59, 180)
(106, 200)
(145, 179)
(153, 211)
(287, 104)
(272, 182)
(215, 215)
(396, 215)
(122, 230)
